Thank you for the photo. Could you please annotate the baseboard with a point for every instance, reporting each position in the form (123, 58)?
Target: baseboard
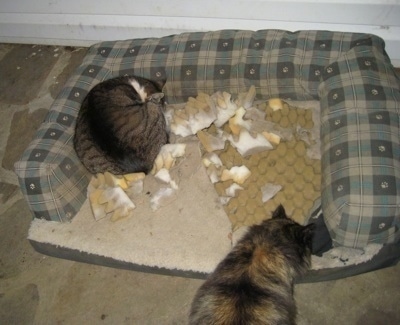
(72, 23)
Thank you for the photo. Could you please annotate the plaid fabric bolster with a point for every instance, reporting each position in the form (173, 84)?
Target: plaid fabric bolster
(360, 105)
(279, 63)
(51, 177)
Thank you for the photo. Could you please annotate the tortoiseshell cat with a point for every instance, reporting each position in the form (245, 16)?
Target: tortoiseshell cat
(121, 126)
(254, 283)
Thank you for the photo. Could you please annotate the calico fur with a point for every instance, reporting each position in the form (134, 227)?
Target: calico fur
(254, 283)
(121, 126)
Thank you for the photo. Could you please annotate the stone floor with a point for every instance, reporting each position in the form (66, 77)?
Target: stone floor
(37, 289)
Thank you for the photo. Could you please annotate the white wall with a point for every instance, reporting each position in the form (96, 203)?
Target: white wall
(84, 22)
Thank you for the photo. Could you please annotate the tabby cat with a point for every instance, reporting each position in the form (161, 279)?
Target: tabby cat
(254, 283)
(121, 126)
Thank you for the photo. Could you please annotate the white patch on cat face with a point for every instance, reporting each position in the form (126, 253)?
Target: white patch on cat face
(139, 89)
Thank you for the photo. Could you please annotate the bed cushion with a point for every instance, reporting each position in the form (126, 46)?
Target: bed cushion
(360, 102)
(349, 73)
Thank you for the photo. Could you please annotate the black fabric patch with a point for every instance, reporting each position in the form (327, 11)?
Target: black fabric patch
(323, 45)
(222, 72)
(337, 123)
(330, 71)
(335, 96)
(38, 155)
(91, 71)
(340, 187)
(252, 71)
(104, 51)
(161, 49)
(65, 119)
(158, 73)
(367, 63)
(77, 94)
(379, 225)
(381, 148)
(285, 70)
(42, 215)
(257, 44)
(68, 167)
(315, 72)
(52, 134)
(361, 42)
(193, 46)
(374, 92)
(70, 211)
(225, 45)
(189, 72)
(132, 51)
(384, 185)
(288, 43)
(321, 241)
(32, 185)
(339, 152)
(379, 117)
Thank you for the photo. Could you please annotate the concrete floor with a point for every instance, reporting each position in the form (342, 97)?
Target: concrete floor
(37, 289)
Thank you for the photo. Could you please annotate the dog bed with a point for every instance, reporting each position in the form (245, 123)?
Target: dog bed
(349, 74)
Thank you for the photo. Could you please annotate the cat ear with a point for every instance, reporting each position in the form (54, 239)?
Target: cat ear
(279, 212)
(156, 97)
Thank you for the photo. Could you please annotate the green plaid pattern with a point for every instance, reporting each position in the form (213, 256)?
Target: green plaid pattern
(54, 181)
(278, 63)
(360, 102)
(349, 73)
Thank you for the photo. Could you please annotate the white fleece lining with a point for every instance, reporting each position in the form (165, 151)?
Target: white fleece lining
(192, 233)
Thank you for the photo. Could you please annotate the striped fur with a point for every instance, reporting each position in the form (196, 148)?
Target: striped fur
(254, 283)
(121, 126)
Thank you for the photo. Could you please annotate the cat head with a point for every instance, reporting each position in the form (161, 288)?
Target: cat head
(305, 233)
(294, 240)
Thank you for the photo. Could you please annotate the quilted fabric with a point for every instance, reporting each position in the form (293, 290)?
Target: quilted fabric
(349, 73)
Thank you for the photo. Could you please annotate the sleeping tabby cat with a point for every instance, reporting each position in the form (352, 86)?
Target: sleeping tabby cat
(121, 126)
(254, 283)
